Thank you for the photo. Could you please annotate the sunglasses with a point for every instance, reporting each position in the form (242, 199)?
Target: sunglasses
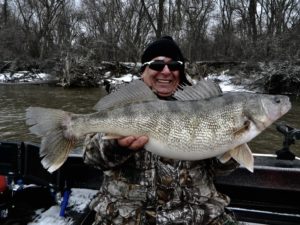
(159, 65)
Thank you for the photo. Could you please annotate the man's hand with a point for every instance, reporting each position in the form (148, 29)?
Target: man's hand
(132, 142)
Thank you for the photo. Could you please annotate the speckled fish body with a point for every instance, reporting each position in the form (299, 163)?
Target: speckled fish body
(194, 127)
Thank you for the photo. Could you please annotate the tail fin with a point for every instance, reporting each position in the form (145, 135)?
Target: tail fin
(48, 124)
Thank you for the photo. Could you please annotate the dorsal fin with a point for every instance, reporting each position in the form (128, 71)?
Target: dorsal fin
(134, 92)
(202, 90)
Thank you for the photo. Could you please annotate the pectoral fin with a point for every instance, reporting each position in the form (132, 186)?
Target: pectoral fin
(225, 157)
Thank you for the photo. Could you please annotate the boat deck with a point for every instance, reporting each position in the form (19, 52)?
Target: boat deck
(270, 195)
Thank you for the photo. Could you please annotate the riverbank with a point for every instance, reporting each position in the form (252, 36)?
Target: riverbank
(276, 77)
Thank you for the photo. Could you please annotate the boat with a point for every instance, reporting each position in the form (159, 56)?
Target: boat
(270, 195)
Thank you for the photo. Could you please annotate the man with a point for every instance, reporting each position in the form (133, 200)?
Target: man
(142, 188)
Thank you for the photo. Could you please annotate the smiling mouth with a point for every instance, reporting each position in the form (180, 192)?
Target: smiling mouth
(164, 81)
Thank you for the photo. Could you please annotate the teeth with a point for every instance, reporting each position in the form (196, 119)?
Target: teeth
(164, 81)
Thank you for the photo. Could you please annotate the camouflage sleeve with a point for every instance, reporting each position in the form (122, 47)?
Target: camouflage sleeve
(104, 154)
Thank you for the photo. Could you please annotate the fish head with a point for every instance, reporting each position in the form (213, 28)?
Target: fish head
(263, 109)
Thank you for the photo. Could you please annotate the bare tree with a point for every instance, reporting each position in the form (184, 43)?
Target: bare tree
(104, 25)
(120, 29)
(226, 25)
(279, 14)
(196, 16)
(252, 20)
(5, 13)
(136, 30)
(158, 16)
(39, 18)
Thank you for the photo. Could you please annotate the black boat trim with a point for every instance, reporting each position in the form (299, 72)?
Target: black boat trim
(264, 211)
(264, 217)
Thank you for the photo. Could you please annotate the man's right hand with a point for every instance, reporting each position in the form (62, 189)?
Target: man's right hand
(132, 142)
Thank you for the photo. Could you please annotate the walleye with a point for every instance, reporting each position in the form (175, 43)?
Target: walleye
(202, 123)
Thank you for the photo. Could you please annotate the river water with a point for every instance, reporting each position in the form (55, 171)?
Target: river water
(14, 99)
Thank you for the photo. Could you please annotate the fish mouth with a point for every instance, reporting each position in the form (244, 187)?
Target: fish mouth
(287, 107)
(273, 114)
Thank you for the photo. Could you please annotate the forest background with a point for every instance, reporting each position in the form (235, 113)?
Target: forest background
(67, 32)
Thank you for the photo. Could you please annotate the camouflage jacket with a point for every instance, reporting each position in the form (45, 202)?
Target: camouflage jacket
(143, 188)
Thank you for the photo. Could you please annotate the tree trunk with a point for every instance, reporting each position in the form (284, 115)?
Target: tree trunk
(5, 12)
(252, 18)
(160, 18)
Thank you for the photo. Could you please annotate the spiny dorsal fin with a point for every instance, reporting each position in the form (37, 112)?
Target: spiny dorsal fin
(202, 90)
(134, 92)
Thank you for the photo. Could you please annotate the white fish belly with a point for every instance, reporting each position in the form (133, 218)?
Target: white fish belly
(196, 149)
(162, 149)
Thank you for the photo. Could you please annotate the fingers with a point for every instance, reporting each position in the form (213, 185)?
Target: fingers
(133, 143)
(139, 142)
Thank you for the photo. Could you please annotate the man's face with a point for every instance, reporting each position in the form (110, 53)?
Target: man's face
(164, 82)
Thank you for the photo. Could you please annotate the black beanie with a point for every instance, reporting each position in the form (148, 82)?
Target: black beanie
(165, 46)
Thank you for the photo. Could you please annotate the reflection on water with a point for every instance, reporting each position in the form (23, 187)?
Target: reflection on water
(14, 99)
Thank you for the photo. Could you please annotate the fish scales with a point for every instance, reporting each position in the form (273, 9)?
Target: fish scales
(179, 128)
(163, 121)
(191, 128)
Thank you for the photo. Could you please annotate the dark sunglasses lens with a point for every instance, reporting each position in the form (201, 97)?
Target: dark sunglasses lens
(156, 65)
(174, 65)
(159, 65)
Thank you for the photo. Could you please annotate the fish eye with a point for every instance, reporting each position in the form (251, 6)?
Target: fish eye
(277, 100)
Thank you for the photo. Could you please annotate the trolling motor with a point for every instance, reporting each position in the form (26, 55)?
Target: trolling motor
(290, 136)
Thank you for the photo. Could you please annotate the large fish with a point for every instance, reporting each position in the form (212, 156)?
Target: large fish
(202, 123)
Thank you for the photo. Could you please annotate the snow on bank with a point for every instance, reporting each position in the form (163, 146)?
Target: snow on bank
(225, 83)
(126, 78)
(23, 77)
(223, 79)
(78, 202)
